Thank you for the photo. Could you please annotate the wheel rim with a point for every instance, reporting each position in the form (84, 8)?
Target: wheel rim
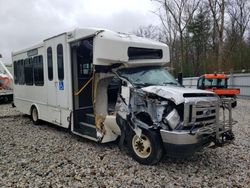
(34, 114)
(141, 146)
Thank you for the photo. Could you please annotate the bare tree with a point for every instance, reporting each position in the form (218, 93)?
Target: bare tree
(239, 12)
(181, 13)
(170, 33)
(217, 8)
(167, 34)
(150, 31)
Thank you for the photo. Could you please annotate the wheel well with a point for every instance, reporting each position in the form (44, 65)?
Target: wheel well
(145, 118)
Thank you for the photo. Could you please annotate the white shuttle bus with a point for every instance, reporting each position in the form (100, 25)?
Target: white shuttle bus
(105, 85)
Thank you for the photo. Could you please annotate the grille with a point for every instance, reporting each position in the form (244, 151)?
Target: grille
(200, 113)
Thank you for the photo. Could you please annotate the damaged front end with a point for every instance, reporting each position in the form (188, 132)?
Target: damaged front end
(184, 128)
(150, 111)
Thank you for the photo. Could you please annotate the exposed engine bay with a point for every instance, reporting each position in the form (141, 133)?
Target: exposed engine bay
(151, 111)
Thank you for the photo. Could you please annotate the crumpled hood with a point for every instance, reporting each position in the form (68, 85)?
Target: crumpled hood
(173, 93)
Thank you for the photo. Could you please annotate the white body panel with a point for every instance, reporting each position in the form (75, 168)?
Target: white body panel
(54, 102)
(175, 94)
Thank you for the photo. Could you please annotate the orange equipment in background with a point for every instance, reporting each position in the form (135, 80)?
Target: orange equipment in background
(217, 83)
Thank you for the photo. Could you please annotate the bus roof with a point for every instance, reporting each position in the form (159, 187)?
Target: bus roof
(39, 45)
(114, 47)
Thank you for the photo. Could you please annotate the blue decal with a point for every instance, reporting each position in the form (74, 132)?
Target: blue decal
(61, 85)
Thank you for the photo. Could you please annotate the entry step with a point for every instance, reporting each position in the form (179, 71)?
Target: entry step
(89, 118)
(87, 125)
(87, 129)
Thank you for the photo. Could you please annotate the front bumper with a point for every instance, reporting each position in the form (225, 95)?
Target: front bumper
(183, 143)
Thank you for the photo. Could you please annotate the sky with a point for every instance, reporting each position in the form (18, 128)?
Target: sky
(24, 23)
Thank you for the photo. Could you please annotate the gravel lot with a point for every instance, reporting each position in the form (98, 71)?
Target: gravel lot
(47, 156)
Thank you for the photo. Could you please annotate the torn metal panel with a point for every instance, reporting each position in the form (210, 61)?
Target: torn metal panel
(142, 110)
(122, 107)
(140, 101)
(106, 127)
(110, 121)
(112, 130)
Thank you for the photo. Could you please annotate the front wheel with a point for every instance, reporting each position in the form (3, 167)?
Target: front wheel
(146, 149)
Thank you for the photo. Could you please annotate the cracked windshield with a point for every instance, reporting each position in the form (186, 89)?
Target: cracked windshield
(148, 76)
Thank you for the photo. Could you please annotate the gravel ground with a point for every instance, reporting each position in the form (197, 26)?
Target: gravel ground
(47, 156)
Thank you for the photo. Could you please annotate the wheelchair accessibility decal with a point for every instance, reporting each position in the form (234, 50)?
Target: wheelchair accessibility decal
(61, 85)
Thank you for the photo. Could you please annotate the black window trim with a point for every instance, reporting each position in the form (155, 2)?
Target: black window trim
(38, 67)
(36, 64)
(137, 53)
(50, 64)
(60, 68)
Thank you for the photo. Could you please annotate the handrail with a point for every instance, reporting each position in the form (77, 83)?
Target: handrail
(83, 87)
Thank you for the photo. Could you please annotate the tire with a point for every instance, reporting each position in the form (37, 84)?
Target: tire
(234, 104)
(35, 116)
(147, 149)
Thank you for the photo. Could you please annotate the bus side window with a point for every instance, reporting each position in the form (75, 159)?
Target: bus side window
(28, 71)
(20, 73)
(85, 57)
(15, 73)
(38, 70)
(60, 68)
(50, 63)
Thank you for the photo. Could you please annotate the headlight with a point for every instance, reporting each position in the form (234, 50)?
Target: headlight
(173, 119)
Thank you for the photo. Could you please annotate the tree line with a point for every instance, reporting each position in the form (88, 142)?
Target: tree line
(204, 36)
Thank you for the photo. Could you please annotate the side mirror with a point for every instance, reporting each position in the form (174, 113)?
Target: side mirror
(203, 85)
(180, 78)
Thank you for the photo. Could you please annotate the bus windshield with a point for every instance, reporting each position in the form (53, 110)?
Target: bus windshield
(147, 76)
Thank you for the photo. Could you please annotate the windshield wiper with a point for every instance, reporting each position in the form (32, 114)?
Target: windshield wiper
(143, 84)
(170, 83)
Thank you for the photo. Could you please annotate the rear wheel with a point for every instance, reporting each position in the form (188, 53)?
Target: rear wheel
(34, 116)
(146, 149)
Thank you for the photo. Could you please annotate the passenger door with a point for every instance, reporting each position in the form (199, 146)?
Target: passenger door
(56, 78)
(82, 75)
(51, 73)
(61, 76)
